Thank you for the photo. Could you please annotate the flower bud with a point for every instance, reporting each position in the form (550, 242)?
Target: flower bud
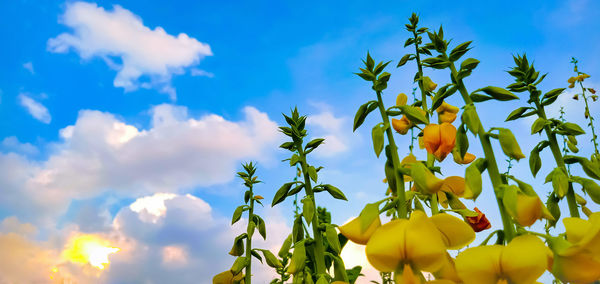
(425, 180)
(401, 99)
(479, 222)
(447, 113)
(428, 85)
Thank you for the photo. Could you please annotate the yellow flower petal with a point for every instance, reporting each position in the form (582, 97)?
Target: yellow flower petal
(352, 230)
(524, 259)
(576, 228)
(529, 209)
(385, 249)
(448, 271)
(455, 232)
(479, 265)
(578, 268)
(454, 184)
(425, 248)
(408, 276)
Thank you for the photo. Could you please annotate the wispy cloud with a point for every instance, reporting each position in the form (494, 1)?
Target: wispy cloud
(36, 109)
(121, 34)
(29, 67)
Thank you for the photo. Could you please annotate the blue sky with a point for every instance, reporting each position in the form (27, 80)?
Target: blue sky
(102, 105)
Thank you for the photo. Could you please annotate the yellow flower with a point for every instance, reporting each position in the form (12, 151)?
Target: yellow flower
(402, 125)
(577, 259)
(226, 277)
(448, 271)
(526, 209)
(425, 180)
(468, 158)
(401, 99)
(439, 139)
(417, 243)
(352, 230)
(522, 261)
(428, 85)
(447, 113)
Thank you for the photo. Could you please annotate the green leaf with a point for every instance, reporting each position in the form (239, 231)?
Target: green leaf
(515, 114)
(313, 143)
(308, 209)
(272, 261)
(551, 96)
(462, 141)
(312, 173)
(377, 136)
(335, 192)
(368, 215)
(288, 145)
(362, 113)
(590, 187)
(569, 128)
(298, 229)
(298, 258)
(477, 97)
(281, 194)
(588, 167)
(332, 238)
(459, 51)
(262, 230)
(285, 247)
(414, 114)
(509, 144)
(237, 214)
(469, 64)
(535, 163)
(499, 93)
(296, 189)
(404, 59)
(538, 125)
(256, 255)
(560, 182)
(238, 245)
(471, 119)
(239, 264)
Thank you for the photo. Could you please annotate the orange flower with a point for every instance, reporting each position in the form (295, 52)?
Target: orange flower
(479, 222)
(439, 139)
(447, 112)
(401, 125)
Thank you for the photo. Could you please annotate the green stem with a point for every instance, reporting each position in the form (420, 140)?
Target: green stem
(558, 157)
(248, 276)
(430, 158)
(587, 110)
(401, 209)
(319, 250)
(492, 166)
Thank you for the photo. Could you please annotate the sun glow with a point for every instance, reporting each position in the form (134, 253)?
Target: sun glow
(89, 249)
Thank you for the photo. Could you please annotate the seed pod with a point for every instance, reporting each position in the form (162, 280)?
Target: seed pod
(509, 144)
(298, 258)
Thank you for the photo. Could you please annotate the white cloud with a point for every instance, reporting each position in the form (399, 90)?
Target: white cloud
(36, 109)
(101, 153)
(12, 144)
(200, 72)
(335, 130)
(120, 34)
(29, 67)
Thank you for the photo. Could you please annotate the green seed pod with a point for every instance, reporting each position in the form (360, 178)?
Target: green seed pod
(572, 147)
(298, 258)
(572, 139)
(509, 144)
(285, 247)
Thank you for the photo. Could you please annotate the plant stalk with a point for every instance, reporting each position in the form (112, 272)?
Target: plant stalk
(492, 166)
(560, 162)
(319, 250)
(401, 207)
(248, 276)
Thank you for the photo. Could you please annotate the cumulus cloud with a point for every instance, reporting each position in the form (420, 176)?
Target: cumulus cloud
(335, 130)
(101, 152)
(36, 109)
(187, 241)
(12, 144)
(141, 51)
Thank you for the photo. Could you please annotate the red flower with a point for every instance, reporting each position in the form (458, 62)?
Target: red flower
(479, 222)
